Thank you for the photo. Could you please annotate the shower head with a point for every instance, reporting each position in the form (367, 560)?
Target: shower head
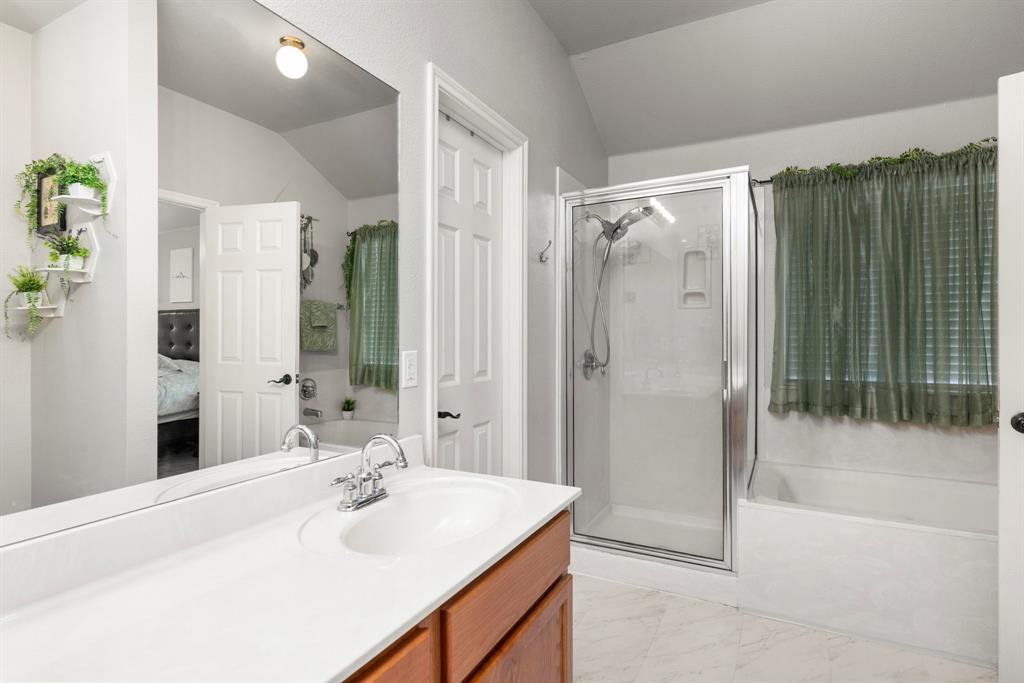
(614, 231)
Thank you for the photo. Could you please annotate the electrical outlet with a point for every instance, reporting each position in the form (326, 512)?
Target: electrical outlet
(410, 369)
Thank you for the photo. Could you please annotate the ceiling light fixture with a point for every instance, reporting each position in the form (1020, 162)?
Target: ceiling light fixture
(291, 60)
(662, 211)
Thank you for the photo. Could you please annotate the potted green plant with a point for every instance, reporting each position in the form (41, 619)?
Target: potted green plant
(30, 286)
(348, 408)
(66, 252)
(83, 181)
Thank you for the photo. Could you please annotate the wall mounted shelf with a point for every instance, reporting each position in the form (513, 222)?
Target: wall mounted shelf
(85, 230)
(88, 205)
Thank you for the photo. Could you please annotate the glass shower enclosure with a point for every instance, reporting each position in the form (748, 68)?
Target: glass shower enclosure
(657, 352)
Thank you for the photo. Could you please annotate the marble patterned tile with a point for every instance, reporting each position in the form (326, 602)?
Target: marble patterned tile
(696, 641)
(853, 660)
(625, 634)
(775, 652)
(614, 633)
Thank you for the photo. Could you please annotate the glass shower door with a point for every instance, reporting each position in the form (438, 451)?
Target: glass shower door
(648, 400)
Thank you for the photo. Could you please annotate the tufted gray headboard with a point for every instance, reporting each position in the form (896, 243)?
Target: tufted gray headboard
(177, 334)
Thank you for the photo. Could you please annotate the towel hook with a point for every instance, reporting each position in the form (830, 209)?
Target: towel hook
(543, 258)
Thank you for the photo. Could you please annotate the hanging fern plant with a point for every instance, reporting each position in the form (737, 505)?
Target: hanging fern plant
(67, 172)
(32, 285)
(86, 175)
(28, 200)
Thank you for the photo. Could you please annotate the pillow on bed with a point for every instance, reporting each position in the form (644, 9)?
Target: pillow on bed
(165, 363)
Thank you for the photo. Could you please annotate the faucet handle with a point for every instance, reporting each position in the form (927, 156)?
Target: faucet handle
(338, 481)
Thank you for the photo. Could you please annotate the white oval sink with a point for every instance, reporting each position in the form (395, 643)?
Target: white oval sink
(232, 473)
(415, 518)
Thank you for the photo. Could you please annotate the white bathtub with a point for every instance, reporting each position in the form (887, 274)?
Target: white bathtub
(350, 433)
(912, 560)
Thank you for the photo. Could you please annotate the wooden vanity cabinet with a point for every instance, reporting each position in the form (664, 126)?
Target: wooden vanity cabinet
(512, 625)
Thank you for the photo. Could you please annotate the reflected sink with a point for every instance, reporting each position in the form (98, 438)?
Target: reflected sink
(417, 516)
(231, 473)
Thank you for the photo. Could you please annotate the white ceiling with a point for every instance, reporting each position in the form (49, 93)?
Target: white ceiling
(582, 25)
(222, 53)
(361, 157)
(342, 119)
(174, 216)
(788, 63)
(32, 15)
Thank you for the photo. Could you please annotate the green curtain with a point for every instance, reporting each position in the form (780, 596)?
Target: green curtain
(885, 289)
(371, 279)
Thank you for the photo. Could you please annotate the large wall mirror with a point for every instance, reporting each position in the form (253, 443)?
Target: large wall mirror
(204, 253)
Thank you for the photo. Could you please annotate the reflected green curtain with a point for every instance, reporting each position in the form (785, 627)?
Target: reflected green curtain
(371, 279)
(885, 289)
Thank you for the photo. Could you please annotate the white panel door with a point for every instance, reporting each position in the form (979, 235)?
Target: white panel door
(468, 291)
(249, 324)
(1011, 378)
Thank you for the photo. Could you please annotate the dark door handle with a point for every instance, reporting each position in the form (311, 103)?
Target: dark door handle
(1017, 422)
(286, 379)
(442, 414)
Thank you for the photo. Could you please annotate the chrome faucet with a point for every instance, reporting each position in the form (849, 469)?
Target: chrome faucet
(311, 438)
(361, 488)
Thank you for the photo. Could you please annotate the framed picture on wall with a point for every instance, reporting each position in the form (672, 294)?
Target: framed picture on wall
(52, 217)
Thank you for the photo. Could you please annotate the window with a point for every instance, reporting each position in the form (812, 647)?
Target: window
(885, 289)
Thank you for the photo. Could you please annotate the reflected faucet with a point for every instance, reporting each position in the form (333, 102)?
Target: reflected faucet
(363, 486)
(311, 439)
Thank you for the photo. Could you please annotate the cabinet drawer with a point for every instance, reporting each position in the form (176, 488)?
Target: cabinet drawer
(540, 648)
(415, 657)
(477, 619)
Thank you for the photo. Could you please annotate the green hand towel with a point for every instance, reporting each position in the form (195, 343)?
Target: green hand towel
(318, 326)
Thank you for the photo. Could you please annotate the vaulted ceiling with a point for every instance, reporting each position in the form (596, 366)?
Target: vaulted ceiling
(779, 64)
(582, 25)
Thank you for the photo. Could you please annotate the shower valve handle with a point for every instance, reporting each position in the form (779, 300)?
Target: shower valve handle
(1017, 422)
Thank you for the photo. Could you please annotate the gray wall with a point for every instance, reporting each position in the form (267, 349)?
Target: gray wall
(93, 371)
(968, 454)
(505, 55)
(15, 354)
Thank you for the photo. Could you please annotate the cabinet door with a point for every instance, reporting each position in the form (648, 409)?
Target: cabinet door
(539, 650)
(415, 657)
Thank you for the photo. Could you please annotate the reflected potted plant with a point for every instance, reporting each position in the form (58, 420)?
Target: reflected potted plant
(348, 408)
(37, 184)
(66, 252)
(83, 181)
(30, 287)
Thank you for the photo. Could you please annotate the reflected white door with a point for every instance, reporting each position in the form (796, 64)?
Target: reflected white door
(1011, 378)
(468, 294)
(249, 324)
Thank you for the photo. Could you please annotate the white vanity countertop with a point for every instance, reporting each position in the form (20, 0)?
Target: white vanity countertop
(259, 605)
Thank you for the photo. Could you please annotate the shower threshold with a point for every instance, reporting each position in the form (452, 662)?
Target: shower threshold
(656, 529)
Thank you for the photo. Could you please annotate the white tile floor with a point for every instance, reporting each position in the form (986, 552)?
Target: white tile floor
(625, 634)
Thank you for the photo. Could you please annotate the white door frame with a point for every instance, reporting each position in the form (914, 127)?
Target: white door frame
(444, 92)
(1011, 377)
(561, 259)
(201, 204)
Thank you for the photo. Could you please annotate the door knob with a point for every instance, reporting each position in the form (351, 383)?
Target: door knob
(1017, 422)
(442, 414)
(286, 379)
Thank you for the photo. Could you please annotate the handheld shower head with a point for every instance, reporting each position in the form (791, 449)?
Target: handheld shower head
(614, 231)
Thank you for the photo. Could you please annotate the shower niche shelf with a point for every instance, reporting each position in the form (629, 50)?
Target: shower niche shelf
(694, 276)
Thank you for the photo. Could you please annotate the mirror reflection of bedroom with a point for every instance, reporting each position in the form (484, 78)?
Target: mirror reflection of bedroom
(277, 243)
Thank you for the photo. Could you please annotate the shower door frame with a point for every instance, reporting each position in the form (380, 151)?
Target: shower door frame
(737, 345)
